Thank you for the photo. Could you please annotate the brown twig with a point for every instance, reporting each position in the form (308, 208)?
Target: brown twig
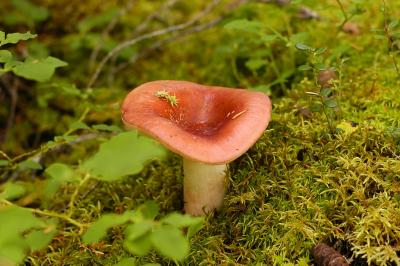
(149, 35)
(175, 37)
(106, 32)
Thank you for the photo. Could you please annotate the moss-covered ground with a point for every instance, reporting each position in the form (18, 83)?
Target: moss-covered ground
(302, 183)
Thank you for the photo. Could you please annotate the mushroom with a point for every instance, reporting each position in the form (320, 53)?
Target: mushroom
(208, 126)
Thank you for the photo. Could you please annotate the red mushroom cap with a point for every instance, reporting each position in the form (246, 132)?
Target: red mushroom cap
(208, 124)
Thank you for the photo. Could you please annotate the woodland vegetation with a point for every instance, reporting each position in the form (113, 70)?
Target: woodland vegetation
(76, 188)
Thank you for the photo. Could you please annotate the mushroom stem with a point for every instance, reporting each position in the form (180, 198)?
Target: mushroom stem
(203, 186)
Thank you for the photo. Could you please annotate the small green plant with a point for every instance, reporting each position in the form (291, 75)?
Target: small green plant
(171, 99)
(390, 32)
(327, 103)
(38, 69)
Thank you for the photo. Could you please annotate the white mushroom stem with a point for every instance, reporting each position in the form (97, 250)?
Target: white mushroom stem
(203, 186)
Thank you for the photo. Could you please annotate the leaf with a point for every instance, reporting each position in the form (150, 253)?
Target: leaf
(316, 107)
(29, 164)
(5, 56)
(325, 92)
(3, 163)
(122, 155)
(162, 239)
(98, 229)
(303, 47)
(38, 69)
(40, 239)
(138, 229)
(320, 51)
(256, 63)
(59, 174)
(78, 125)
(304, 67)
(14, 222)
(126, 262)
(97, 20)
(263, 88)
(393, 24)
(31, 12)
(16, 37)
(331, 103)
(195, 227)
(149, 209)
(105, 127)
(12, 191)
(140, 246)
(2, 36)
(244, 25)
(181, 220)
(151, 264)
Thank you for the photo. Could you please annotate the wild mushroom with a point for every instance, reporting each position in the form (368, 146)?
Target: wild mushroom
(208, 126)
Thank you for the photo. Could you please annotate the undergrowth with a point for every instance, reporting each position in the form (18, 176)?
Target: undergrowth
(312, 177)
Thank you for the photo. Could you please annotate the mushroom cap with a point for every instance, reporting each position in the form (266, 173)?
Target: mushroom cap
(209, 124)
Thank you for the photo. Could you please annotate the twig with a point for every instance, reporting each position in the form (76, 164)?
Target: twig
(106, 32)
(175, 37)
(164, 41)
(146, 36)
(75, 194)
(150, 17)
(49, 214)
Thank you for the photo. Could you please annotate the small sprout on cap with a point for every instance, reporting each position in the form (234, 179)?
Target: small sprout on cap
(163, 94)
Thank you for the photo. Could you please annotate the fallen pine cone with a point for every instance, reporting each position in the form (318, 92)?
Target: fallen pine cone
(325, 255)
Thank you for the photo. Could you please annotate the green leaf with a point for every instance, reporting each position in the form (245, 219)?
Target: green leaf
(181, 220)
(105, 127)
(331, 103)
(304, 67)
(16, 37)
(78, 125)
(316, 107)
(140, 246)
(4, 163)
(97, 20)
(137, 229)
(38, 69)
(151, 264)
(2, 36)
(31, 12)
(325, 92)
(256, 63)
(195, 227)
(14, 222)
(12, 191)
(393, 24)
(98, 229)
(122, 155)
(149, 209)
(244, 25)
(320, 51)
(29, 164)
(263, 88)
(126, 262)
(303, 47)
(170, 242)
(40, 239)
(59, 174)
(5, 56)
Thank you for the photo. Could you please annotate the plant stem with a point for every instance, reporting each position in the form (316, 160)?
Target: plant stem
(49, 214)
(75, 194)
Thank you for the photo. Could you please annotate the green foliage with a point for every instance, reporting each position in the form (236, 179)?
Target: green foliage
(143, 232)
(14, 242)
(122, 155)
